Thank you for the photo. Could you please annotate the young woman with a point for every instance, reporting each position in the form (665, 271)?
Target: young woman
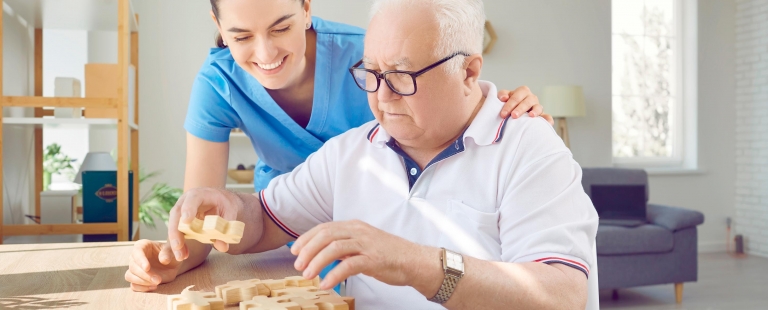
(281, 76)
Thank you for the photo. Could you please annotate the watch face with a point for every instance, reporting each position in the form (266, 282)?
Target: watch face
(454, 261)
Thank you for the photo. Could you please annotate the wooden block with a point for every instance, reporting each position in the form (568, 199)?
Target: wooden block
(270, 303)
(325, 302)
(300, 281)
(237, 291)
(212, 228)
(195, 300)
(102, 80)
(306, 292)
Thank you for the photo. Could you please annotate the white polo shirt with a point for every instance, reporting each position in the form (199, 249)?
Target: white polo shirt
(506, 190)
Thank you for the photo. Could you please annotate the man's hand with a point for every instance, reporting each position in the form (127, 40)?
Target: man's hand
(361, 247)
(151, 263)
(198, 203)
(521, 101)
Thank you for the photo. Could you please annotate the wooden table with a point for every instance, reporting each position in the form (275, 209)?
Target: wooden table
(91, 275)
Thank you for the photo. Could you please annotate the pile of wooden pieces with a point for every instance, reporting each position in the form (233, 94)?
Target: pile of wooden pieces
(292, 293)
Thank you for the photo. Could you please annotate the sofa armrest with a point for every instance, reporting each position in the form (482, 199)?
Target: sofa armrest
(673, 218)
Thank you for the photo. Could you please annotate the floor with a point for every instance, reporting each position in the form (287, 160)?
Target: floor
(724, 282)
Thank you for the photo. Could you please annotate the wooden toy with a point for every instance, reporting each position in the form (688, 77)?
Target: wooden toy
(195, 300)
(212, 228)
(270, 303)
(306, 292)
(237, 291)
(325, 302)
(292, 302)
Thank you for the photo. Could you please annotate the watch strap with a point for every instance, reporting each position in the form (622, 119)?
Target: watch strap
(446, 289)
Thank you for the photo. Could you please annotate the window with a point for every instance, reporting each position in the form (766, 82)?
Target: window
(653, 83)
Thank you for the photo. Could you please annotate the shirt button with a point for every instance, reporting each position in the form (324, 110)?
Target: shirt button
(414, 171)
(457, 145)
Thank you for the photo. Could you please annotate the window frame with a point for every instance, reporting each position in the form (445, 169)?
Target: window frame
(684, 128)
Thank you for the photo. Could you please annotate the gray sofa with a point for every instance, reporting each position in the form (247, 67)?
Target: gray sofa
(660, 252)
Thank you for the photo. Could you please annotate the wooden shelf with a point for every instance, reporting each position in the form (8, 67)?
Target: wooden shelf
(61, 121)
(60, 102)
(89, 15)
(86, 15)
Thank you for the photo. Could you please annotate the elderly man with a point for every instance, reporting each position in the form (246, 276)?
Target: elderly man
(438, 202)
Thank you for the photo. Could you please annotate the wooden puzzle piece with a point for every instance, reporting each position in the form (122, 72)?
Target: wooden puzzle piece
(297, 281)
(237, 291)
(270, 303)
(195, 300)
(325, 302)
(306, 292)
(212, 228)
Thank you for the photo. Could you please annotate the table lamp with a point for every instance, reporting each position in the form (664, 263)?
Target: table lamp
(563, 101)
(95, 161)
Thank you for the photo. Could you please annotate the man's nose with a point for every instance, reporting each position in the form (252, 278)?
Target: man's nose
(385, 93)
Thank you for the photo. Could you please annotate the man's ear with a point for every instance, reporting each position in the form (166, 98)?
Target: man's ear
(473, 65)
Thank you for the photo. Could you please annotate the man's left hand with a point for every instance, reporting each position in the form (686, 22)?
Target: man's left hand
(521, 101)
(362, 249)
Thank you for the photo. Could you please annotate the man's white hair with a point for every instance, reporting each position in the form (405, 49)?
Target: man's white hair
(461, 26)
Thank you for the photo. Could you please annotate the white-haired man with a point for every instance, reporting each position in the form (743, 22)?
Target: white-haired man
(428, 206)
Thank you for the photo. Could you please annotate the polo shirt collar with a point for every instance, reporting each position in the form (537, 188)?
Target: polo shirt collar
(487, 128)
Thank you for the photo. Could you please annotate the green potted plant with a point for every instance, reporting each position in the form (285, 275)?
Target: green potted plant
(55, 162)
(158, 201)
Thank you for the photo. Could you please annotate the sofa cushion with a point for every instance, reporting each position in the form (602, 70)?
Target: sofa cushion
(618, 240)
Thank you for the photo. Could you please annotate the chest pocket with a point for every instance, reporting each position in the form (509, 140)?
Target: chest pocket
(476, 233)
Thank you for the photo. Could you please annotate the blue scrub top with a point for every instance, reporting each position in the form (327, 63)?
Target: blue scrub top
(224, 96)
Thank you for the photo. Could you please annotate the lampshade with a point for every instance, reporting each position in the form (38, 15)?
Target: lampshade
(563, 101)
(95, 161)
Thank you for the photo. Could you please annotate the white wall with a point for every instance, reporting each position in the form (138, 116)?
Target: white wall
(751, 111)
(540, 43)
(712, 191)
(18, 173)
(174, 40)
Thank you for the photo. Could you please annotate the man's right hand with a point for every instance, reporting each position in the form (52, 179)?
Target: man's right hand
(151, 263)
(198, 203)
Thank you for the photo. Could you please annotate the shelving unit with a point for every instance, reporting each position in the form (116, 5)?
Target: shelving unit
(90, 15)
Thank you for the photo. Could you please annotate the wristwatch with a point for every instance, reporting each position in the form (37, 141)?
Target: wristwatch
(453, 267)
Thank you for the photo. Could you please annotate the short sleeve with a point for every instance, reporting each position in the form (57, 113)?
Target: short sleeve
(302, 199)
(545, 214)
(210, 116)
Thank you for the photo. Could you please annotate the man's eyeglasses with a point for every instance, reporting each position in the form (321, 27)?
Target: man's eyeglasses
(402, 83)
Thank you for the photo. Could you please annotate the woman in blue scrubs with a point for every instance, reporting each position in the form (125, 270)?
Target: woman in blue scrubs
(281, 76)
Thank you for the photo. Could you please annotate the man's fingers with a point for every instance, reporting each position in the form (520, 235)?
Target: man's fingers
(134, 279)
(313, 244)
(347, 268)
(335, 250)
